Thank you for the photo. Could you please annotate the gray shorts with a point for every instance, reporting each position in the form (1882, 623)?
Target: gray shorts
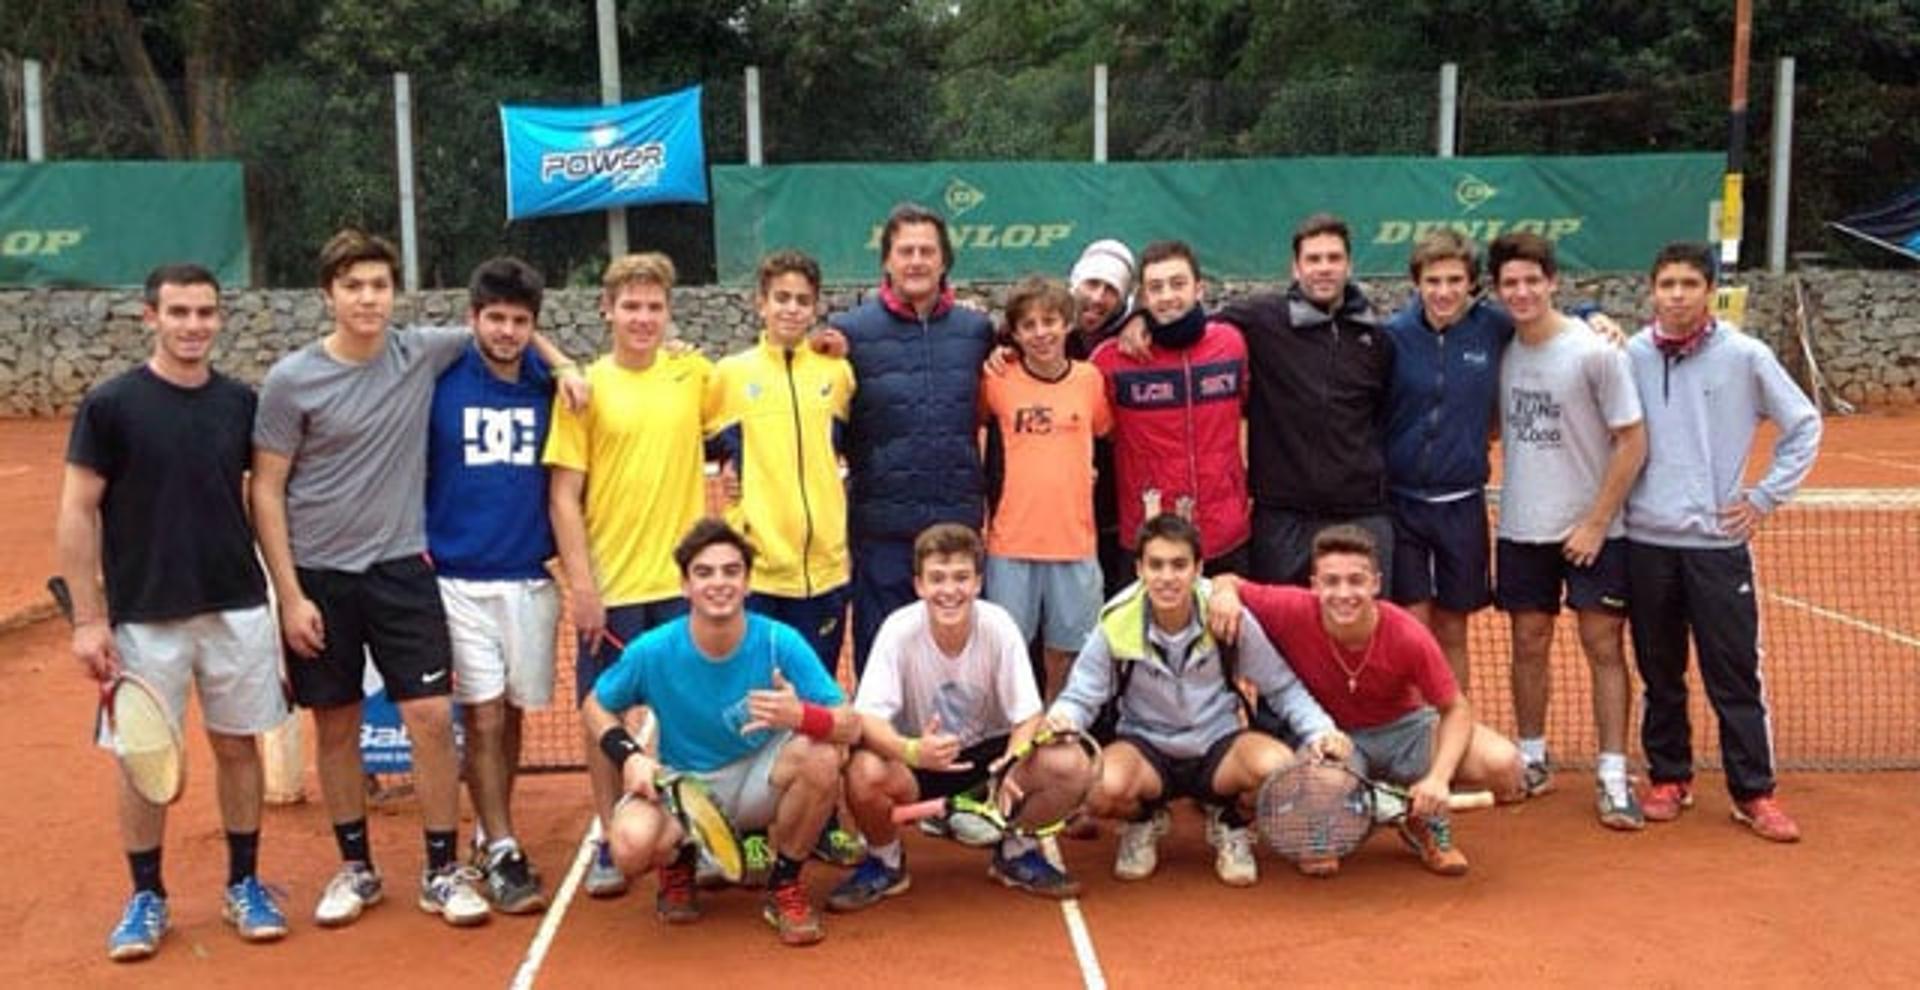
(230, 658)
(744, 788)
(1399, 752)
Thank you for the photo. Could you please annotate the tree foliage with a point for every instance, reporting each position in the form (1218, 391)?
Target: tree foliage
(302, 93)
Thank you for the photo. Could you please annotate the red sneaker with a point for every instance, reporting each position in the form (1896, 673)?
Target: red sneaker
(1767, 819)
(792, 915)
(1666, 799)
(675, 903)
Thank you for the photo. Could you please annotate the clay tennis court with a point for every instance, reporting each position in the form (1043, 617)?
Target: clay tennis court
(1552, 897)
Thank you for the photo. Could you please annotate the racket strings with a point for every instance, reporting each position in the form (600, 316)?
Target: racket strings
(1051, 785)
(1310, 811)
(708, 828)
(146, 743)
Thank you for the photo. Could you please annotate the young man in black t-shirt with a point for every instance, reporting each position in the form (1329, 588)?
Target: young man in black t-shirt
(152, 500)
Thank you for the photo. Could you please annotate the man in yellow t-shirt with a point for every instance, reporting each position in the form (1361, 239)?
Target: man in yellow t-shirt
(627, 483)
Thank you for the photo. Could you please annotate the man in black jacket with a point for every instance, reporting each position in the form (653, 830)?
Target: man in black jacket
(1320, 367)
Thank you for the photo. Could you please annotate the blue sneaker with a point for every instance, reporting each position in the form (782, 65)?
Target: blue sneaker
(254, 911)
(137, 936)
(872, 881)
(1031, 872)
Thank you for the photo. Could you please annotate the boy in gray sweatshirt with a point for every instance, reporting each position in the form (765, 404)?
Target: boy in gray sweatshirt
(1704, 386)
(1180, 731)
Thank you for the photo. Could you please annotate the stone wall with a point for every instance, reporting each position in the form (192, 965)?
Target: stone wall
(1864, 328)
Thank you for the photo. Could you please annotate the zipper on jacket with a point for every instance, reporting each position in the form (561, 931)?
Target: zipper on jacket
(800, 461)
(1193, 457)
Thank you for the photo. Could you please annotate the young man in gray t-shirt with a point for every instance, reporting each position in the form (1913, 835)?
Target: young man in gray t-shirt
(339, 470)
(1572, 442)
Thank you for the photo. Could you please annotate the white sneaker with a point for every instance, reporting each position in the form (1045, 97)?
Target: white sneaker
(352, 890)
(449, 892)
(1233, 857)
(1138, 854)
(1216, 829)
(972, 830)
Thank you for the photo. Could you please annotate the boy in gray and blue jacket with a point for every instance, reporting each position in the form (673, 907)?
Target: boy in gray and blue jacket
(1704, 386)
(1180, 730)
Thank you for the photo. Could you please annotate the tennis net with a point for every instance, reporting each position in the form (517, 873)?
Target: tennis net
(1838, 575)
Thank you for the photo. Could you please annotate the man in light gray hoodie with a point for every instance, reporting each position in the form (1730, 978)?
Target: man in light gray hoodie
(1704, 386)
(1180, 730)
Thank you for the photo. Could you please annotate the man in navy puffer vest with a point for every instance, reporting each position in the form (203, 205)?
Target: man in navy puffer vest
(912, 454)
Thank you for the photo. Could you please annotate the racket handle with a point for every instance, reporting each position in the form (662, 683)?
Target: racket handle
(62, 597)
(1470, 800)
(902, 814)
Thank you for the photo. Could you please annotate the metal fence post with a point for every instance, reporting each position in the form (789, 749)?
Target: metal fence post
(403, 143)
(36, 109)
(756, 154)
(1781, 181)
(1449, 108)
(1100, 112)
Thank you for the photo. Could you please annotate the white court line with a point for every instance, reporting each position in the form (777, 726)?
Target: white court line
(1844, 619)
(557, 911)
(550, 923)
(1090, 975)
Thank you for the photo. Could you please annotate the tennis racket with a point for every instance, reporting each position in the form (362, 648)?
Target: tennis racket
(145, 738)
(1313, 810)
(1012, 800)
(688, 799)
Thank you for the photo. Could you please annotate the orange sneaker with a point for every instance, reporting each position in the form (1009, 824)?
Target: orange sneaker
(792, 915)
(1432, 838)
(1666, 799)
(1767, 819)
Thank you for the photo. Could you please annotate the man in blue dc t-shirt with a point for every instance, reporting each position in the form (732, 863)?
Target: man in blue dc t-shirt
(743, 703)
(488, 532)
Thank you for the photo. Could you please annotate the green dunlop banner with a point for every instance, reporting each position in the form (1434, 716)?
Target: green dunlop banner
(105, 224)
(1605, 213)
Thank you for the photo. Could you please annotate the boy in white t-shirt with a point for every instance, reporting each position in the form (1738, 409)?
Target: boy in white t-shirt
(947, 691)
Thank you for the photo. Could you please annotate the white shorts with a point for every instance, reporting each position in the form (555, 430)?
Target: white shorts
(503, 639)
(231, 658)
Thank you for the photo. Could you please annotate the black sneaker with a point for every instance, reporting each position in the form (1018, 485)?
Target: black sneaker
(511, 884)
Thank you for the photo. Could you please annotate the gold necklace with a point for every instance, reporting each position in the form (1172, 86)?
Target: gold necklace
(1353, 673)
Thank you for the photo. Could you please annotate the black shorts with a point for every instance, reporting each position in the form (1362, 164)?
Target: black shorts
(391, 610)
(946, 783)
(1528, 578)
(1189, 777)
(1440, 553)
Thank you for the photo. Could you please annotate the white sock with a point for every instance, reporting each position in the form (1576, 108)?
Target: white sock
(1016, 846)
(1535, 749)
(1612, 771)
(501, 845)
(891, 854)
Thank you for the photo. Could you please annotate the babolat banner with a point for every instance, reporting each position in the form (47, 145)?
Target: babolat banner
(580, 159)
(1604, 213)
(107, 224)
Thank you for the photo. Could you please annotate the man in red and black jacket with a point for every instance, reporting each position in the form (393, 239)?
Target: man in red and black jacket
(1176, 413)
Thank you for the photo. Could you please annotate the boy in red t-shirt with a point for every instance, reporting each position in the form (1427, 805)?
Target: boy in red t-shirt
(1042, 558)
(1383, 678)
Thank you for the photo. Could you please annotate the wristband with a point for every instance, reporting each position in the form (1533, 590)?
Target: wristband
(619, 745)
(911, 755)
(816, 722)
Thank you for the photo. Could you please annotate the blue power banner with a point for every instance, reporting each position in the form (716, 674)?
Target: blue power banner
(581, 159)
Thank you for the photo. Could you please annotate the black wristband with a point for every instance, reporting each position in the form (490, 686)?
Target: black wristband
(619, 745)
